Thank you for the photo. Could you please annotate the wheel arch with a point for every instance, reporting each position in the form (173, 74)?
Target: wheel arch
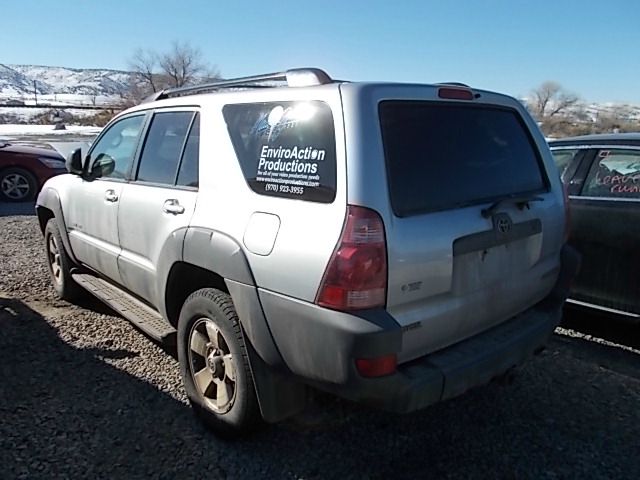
(48, 206)
(194, 258)
(182, 280)
(211, 259)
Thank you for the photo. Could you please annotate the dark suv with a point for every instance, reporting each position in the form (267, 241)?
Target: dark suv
(24, 169)
(602, 174)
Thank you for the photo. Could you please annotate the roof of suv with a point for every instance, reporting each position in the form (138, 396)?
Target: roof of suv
(598, 139)
(300, 77)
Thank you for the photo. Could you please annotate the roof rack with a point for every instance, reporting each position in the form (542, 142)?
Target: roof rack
(296, 77)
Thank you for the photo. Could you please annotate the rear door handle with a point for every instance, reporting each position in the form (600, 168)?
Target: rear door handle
(110, 196)
(172, 206)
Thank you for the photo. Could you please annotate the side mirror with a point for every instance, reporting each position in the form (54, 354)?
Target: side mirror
(103, 166)
(74, 162)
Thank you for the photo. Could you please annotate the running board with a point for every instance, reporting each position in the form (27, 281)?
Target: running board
(138, 313)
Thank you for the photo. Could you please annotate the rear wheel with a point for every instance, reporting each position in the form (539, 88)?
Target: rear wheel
(214, 364)
(59, 263)
(17, 185)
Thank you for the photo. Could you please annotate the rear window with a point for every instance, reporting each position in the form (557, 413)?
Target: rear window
(443, 156)
(285, 149)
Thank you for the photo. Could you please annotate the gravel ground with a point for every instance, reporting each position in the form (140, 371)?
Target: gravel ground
(83, 394)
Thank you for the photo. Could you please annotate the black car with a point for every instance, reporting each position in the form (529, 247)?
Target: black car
(602, 177)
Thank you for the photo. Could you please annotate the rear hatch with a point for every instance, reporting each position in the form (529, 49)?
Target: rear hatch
(472, 235)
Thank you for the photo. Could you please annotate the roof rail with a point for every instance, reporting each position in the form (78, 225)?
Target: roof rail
(296, 77)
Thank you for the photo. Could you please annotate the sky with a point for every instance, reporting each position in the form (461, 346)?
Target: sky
(592, 48)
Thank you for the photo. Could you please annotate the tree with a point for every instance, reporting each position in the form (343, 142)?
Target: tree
(551, 99)
(182, 65)
(554, 107)
(144, 65)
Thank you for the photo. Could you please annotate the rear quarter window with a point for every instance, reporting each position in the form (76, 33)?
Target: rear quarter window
(285, 149)
(563, 158)
(444, 156)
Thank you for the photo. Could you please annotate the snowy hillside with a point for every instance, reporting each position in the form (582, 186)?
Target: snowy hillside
(17, 82)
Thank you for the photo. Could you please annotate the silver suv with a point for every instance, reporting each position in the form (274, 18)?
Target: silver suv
(392, 244)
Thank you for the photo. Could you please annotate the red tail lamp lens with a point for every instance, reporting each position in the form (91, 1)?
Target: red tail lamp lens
(356, 276)
(377, 367)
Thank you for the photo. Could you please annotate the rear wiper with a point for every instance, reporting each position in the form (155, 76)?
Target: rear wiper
(520, 201)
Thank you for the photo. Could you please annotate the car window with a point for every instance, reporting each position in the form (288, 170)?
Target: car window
(163, 147)
(614, 173)
(285, 149)
(119, 142)
(188, 172)
(442, 156)
(563, 159)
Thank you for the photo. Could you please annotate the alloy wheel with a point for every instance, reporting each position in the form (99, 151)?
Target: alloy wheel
(15, 186)
(212, 365)
(53, 252)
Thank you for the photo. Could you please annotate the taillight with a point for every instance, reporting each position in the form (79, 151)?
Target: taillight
(454, 93)
(377, 367)
(567, 213)
(356, 276)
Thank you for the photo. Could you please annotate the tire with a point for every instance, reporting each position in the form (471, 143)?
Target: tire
(215, 366)
(59, 263)
(17, 185)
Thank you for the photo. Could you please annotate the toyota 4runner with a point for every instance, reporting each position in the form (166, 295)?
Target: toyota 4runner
(393, 244)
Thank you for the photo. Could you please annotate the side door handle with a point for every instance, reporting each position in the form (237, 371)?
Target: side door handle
(172, 206)
(111, 196)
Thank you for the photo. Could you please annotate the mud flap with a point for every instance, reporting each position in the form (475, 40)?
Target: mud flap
(279, 396)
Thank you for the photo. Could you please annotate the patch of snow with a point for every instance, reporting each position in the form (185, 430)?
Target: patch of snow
(17, 130)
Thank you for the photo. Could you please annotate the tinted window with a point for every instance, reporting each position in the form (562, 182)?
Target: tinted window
(285, 149)
(446, 156)
(119, 142)
(614, 173)
(563, 159)
(188, 173)
(163, 147)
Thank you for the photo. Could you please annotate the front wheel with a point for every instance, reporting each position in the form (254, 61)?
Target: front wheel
(59, 263)
(214, 364)
(17, 185)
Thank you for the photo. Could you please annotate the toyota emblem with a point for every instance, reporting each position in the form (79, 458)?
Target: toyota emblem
(502, 223)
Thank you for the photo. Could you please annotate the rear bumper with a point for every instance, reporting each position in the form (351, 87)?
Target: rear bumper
(321, 346)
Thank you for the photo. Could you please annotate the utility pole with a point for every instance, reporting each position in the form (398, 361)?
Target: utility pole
(35, 92)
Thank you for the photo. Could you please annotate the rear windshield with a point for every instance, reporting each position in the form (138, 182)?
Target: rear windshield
(443, 156)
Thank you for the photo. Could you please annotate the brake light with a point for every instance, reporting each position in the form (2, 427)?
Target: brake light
(567, 213)
(455, 93)
(377, 367)
(356, 276)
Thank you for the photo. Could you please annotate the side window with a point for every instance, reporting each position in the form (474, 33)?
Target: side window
(188, 173)
(563, 158)
(163, 147)
(614, 173)
(285, 149)
(119, 142)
